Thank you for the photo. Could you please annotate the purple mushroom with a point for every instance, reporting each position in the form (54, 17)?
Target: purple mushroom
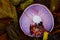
(36, 13)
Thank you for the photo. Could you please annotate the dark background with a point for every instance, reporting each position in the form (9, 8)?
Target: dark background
(52, 5)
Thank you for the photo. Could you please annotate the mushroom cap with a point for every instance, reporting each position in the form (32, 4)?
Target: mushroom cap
(36, 10)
